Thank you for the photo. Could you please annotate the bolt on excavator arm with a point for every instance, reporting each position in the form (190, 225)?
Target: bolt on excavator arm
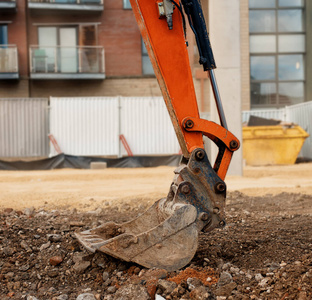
(166, 235)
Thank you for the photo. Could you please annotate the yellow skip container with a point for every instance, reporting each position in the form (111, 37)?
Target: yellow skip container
(272, 145)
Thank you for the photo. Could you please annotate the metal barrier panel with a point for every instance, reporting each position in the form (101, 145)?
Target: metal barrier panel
(92, 126)
(146, 125)
(85, 126)
(276, 114)
(24, 127)
(301, 114)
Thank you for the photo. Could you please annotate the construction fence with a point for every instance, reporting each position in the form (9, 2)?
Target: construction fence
(106, 126)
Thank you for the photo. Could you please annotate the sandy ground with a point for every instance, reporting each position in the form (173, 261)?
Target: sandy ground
(90, 189)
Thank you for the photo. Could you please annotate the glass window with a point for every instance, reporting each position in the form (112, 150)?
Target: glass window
(291, 93)
(262, 21)
(291, 43)
(277, 50)
(262, 67)
(147, 67)
(290, 3)
(262, 43)
(126, 4)
(261, 3)
(263, 93)
(290, 20)
(290, 67)
(4, 34)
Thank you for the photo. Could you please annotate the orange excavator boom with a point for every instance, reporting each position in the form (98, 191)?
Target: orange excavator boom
(166, 235)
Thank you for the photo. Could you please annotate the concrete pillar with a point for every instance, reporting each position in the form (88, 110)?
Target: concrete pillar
(224, 29)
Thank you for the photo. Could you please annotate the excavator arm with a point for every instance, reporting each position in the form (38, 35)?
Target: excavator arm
(166, 235)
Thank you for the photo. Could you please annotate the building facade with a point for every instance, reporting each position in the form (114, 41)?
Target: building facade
(93, 48)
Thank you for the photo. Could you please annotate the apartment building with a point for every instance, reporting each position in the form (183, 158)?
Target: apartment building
(94, 48)
(72, 48)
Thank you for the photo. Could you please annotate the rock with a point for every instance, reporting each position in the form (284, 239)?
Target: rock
(111, 289)
(226, 266)
(9, 275)
(52, 289)
(130, 292)
(258, 277)
(81, 266)
(8, 251)
(8, 210)
(86, 296)
(54, 238)
(153, 274)
(24, 268)
(234, 270)
(62, 297)
(263, 282)
(274, 266)
(166, 286)
(200, 293)
(31, 297)
(29, 211)
(302, 296)
(24, 245)
(225, 278)
(45, 246)
(158, 297)
(55, 260)
(100, 260)
(52, 273)
(225, 290)
(193, 283)
(105, 276)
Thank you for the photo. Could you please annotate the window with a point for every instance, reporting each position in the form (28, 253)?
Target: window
(277, 52)
(3, 34)
(126, 4)
(57, 43)
(147, 67)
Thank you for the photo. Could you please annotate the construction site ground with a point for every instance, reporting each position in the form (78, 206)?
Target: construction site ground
(264, 252)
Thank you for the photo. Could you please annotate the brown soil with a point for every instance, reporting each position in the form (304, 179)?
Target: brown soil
(268, 233)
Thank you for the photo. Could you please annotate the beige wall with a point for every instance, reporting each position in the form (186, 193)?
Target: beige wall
(224, 24)
(245, 67)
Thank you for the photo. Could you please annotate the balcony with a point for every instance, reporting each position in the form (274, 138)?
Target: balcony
(8, 62)
(8, 5)
(67, 5)
(60, 62)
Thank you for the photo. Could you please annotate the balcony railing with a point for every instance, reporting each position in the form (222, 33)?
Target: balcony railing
(8, 62)
(83, 5)
(81, 62)
(8, 5)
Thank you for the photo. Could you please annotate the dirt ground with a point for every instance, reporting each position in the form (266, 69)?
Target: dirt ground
(89, 189)
(264, 252)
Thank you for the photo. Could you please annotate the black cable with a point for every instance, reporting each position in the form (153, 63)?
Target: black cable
(182, 15)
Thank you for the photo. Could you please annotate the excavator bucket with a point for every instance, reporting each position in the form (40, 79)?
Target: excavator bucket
(166, 235)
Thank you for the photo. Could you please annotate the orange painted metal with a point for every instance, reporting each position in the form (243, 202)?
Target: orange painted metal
(218, 134)
(169, 56)
(168, 53)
